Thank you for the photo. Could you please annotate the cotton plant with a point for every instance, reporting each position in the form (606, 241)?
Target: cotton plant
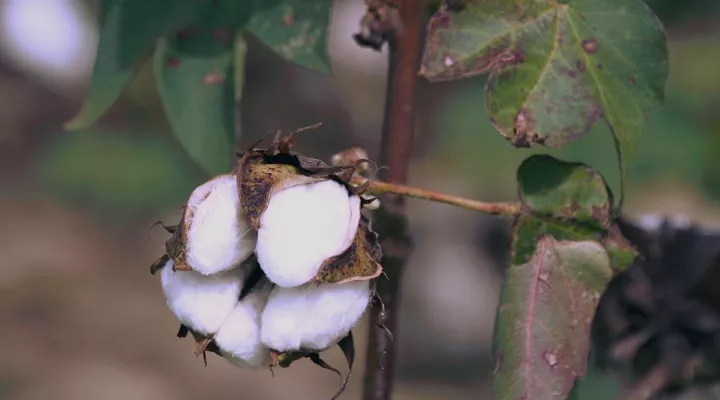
(274, 261)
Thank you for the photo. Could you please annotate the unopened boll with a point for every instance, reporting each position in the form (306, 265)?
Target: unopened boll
(201, 302)
(313, 316)
(219, 236)
(239, 335)
(303, 226)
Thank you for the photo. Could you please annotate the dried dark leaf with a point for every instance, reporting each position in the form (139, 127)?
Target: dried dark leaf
(663, 312)
(159, 264)
(346, 345)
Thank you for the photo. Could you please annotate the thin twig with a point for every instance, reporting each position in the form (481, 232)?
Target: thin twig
(378, 188)
(390, 223)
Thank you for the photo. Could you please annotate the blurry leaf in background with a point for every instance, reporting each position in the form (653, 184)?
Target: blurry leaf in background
(297, 31)
(128, 28)
(119, 172)
(556, 68)
(673, 12)
(675, 145)
(558, 271)
(695, 63)
(196, 84)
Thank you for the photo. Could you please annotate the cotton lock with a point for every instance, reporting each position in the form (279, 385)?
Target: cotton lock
(218, 234)
(239, 335)
(313, 316)
(303, 226)
(201, 302)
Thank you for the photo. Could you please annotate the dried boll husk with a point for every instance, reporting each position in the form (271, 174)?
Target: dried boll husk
(214, 234)
(201, 302)
(664, 312)
(238, 338)
(308, 220)
(312, 316)
(346, 345)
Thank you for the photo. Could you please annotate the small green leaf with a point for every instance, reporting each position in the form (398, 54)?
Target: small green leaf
(128, 28)
(297, 31)
(561, 262)
(543, 320)
(556, 66)
(195, 80)
(565, 190)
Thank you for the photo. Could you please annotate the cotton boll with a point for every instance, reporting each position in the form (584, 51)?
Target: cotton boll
(201, 302)
(312, 316)
(219, 236)
(303, 226)
(239, 336)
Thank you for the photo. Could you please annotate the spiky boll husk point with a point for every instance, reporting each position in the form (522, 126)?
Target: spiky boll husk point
(665, 309)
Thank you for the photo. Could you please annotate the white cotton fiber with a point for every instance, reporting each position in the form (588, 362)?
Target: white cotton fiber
(302, 227)
(201, 302)
(313, 316)
(239, 336)
(219, 236)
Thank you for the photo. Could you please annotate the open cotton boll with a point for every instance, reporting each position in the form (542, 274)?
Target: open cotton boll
(303, 226)
(219, 236)
(312, 316)
(239, 336)
(201, 302)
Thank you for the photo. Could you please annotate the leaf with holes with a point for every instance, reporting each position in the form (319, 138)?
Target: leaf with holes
(195, 80)
(561, 262)
(128, 29)
(556, 66)
(296, 30)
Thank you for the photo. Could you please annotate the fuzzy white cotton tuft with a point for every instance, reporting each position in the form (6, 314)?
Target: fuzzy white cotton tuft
(201, 302)
(303, 226)
(239, 336)
(312, 316)
(219, 236)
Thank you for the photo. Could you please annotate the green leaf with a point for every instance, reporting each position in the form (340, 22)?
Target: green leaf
(557, 66)
(542, 323)
(128, 28)
(195, 80)
(561, 263)
(565, 190)
(297, 31)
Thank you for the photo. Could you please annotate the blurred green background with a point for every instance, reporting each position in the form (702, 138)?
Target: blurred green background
(81, 317)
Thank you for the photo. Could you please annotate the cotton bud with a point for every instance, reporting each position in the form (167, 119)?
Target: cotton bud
(238, 338)
(201, 302)
(303, 226)
(214, 234)
(352, 156)
(312, 316)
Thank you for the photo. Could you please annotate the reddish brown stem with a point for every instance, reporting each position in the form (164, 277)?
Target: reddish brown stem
(378, 188)
(390, 222)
